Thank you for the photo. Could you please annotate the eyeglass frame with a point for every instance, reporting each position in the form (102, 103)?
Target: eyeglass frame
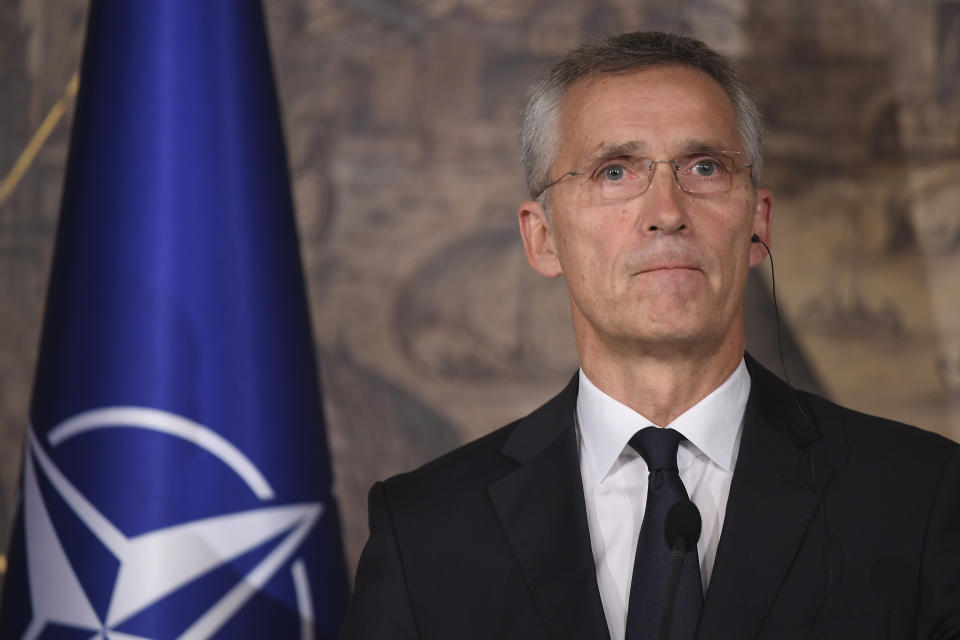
(652, 169)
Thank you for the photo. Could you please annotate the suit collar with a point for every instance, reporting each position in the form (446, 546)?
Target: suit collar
(780, 405)
(771, 399)
(779, 479)
(536, 432)
(541, 509)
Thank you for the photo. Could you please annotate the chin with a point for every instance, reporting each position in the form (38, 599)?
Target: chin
(677, 328)
(677, 337)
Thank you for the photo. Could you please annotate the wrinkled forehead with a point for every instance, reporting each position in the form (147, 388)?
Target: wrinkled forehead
(662, 111)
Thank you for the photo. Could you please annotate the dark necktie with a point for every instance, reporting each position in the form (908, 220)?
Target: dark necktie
(651, 566)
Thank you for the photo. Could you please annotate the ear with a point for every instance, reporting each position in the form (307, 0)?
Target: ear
(538, 240)
(762, 218)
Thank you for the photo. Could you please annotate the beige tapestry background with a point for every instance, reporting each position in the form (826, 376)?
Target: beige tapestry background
(401, 122)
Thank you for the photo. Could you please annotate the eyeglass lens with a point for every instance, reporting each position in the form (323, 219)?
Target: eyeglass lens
(701, 173)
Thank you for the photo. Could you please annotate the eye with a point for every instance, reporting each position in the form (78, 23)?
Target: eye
(706, 168)
(613, 173)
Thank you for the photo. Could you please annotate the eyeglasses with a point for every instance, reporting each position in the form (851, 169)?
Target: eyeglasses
(625, 177)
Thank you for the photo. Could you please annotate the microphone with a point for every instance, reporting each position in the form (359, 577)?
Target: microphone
(681, 528)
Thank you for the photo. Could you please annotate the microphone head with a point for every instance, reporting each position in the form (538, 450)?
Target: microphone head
(682, 523)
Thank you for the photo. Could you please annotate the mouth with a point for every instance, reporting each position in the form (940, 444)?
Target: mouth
(667, 267)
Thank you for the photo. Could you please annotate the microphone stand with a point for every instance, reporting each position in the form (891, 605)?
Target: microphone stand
(681, 530)
(676, 564)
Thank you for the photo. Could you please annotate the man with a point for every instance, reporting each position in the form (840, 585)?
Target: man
(643, 159)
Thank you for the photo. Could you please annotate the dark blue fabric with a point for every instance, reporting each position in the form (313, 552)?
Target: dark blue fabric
(177, 286)
(658, 447)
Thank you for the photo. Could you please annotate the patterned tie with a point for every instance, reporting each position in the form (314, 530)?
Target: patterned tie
(658, 447)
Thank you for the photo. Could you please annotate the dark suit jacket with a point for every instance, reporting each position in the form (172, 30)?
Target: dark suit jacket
(835, 519)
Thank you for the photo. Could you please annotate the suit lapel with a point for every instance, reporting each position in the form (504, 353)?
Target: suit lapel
(773, 498)
(541, 508)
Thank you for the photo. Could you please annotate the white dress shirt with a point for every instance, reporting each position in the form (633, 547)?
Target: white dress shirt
(615, 479)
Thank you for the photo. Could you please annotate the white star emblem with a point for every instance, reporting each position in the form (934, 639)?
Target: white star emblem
(159, 562)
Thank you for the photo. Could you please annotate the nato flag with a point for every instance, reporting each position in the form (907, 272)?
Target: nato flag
(176, 479)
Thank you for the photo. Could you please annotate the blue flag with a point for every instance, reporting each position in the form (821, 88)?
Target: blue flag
(176, 480)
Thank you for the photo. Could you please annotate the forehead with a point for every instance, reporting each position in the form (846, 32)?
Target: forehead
(661, 110)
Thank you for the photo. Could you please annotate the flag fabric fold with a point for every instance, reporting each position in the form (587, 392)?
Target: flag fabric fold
(176, 478)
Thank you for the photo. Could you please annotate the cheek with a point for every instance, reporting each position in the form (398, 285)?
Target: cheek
(591, 241)
(728, 247)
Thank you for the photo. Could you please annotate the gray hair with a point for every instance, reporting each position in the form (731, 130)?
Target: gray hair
(539, 129)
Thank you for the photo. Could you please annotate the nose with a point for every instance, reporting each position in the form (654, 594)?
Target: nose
(663, 209)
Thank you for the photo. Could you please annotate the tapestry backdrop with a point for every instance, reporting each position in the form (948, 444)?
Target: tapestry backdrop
(401, 119)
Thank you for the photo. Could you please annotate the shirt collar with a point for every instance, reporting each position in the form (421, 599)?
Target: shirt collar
(712, 425)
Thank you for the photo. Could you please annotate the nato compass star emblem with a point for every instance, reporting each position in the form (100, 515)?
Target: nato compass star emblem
(155, 564)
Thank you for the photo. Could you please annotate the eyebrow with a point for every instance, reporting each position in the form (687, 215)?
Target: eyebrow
(639, 147)
(698, 144)
(613, 150)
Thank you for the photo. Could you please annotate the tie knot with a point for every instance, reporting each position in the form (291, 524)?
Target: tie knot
(658, 447)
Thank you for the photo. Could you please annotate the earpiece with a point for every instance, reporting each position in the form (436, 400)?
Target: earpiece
(815, 621)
